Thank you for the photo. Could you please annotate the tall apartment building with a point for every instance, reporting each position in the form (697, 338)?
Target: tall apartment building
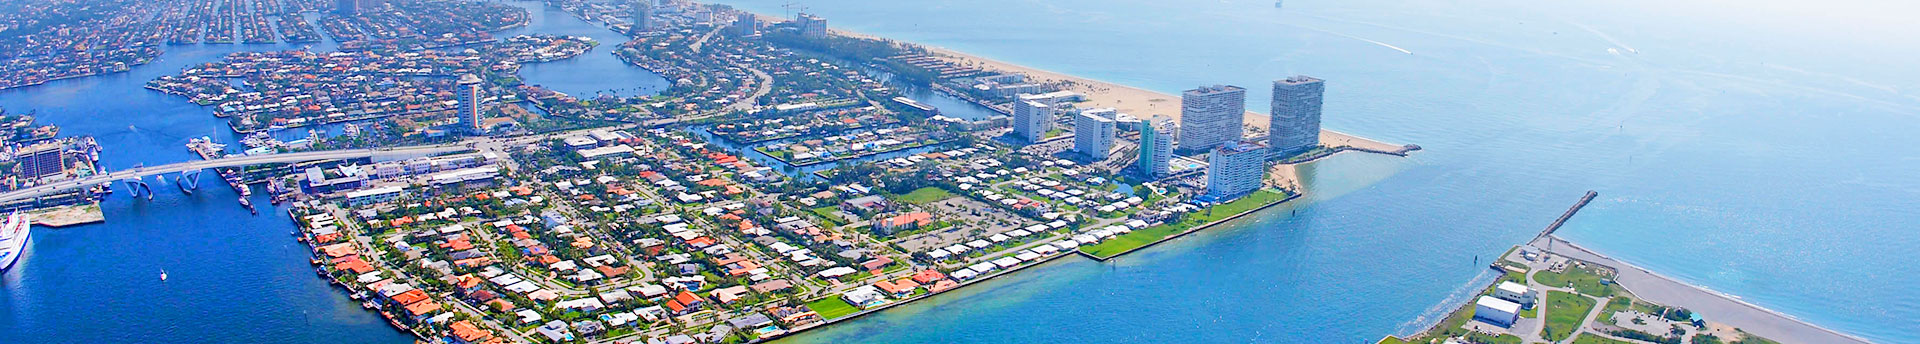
(1156, 147)
(1032, 119)
(346, 7)
(1033, 113)
(467, 92)
(812, 26)
(1093, 131)
(642, 16)
(1294, 127)
(1236, 169)
(745, 24)
(1211, 116)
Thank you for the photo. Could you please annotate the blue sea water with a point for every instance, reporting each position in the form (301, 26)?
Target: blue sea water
(1760, 148)
(232, 277)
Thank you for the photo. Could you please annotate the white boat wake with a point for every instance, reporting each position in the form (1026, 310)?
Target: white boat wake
(1362, 39)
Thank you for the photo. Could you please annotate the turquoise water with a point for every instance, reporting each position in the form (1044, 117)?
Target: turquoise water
(1756, 148)
(232, 277)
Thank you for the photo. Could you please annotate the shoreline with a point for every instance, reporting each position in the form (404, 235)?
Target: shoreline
(910, 300)
(1195, 229)
(69, 215)
(1101, 93)
(1724, 308)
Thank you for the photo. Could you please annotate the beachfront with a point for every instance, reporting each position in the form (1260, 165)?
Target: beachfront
(1551, 290)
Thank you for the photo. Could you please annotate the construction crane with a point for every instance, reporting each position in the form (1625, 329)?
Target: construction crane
(793, 7)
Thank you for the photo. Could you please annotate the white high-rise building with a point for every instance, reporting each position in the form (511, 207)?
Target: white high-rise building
(1211, 116)
(1093, 132)
(1032, 119)
(812, 26)
(1236, 169)
(1294, 127)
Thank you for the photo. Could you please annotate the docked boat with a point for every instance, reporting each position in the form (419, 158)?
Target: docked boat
(13, 239)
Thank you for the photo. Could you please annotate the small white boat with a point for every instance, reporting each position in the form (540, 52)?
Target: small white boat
(163, 275)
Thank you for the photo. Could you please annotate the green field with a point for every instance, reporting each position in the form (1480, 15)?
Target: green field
(1586, 338)
(1142, 237)
(826, 213)
(832, 307)
(1614, 305)
(925, 195)
(1565, 313)
(1586, 280)
(1391, 340)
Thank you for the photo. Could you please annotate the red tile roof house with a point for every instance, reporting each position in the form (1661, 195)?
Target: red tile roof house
(875, 265)
(943, 285)
(928, 276)
(685, 302)
(420, 310)
(904, 221)
(899, 289)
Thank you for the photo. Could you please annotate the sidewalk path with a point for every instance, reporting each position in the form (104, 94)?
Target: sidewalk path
(1713, 306)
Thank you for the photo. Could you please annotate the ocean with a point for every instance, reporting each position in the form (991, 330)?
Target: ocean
(1754, 148)
(1750, 147)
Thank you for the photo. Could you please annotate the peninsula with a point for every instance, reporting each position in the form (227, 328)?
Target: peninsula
(1553, 291)
(786, 180)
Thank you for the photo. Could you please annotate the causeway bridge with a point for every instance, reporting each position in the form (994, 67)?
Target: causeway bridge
(232, 161)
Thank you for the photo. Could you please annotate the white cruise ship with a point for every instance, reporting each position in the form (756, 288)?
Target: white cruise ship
(13, 239)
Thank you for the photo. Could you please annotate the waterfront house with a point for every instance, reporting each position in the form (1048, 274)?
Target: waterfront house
(864, 297)
(942, 285)
(928, 276)
(794, 316)
(899, 289)
(464, 332)
(750, 321)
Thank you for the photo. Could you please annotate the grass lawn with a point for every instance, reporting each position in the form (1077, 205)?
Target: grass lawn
(832, 307)
(1616, 304)
(925, 195)
(826, 213)
(1149, 235)
(1586, 280)
(1565, 313)
(1391, 340)
(1586, 338)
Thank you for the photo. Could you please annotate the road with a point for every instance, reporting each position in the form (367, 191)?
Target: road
(1713, 306)
(244, 160)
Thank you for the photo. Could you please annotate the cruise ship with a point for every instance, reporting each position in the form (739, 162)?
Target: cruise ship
(13, 239)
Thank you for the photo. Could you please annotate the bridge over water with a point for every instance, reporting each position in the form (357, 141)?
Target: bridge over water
(233, 161)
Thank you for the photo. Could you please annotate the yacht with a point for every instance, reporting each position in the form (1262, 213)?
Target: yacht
(13, 239)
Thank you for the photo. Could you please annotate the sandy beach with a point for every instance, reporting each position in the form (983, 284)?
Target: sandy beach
(1141, 103)
(1714, 306)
